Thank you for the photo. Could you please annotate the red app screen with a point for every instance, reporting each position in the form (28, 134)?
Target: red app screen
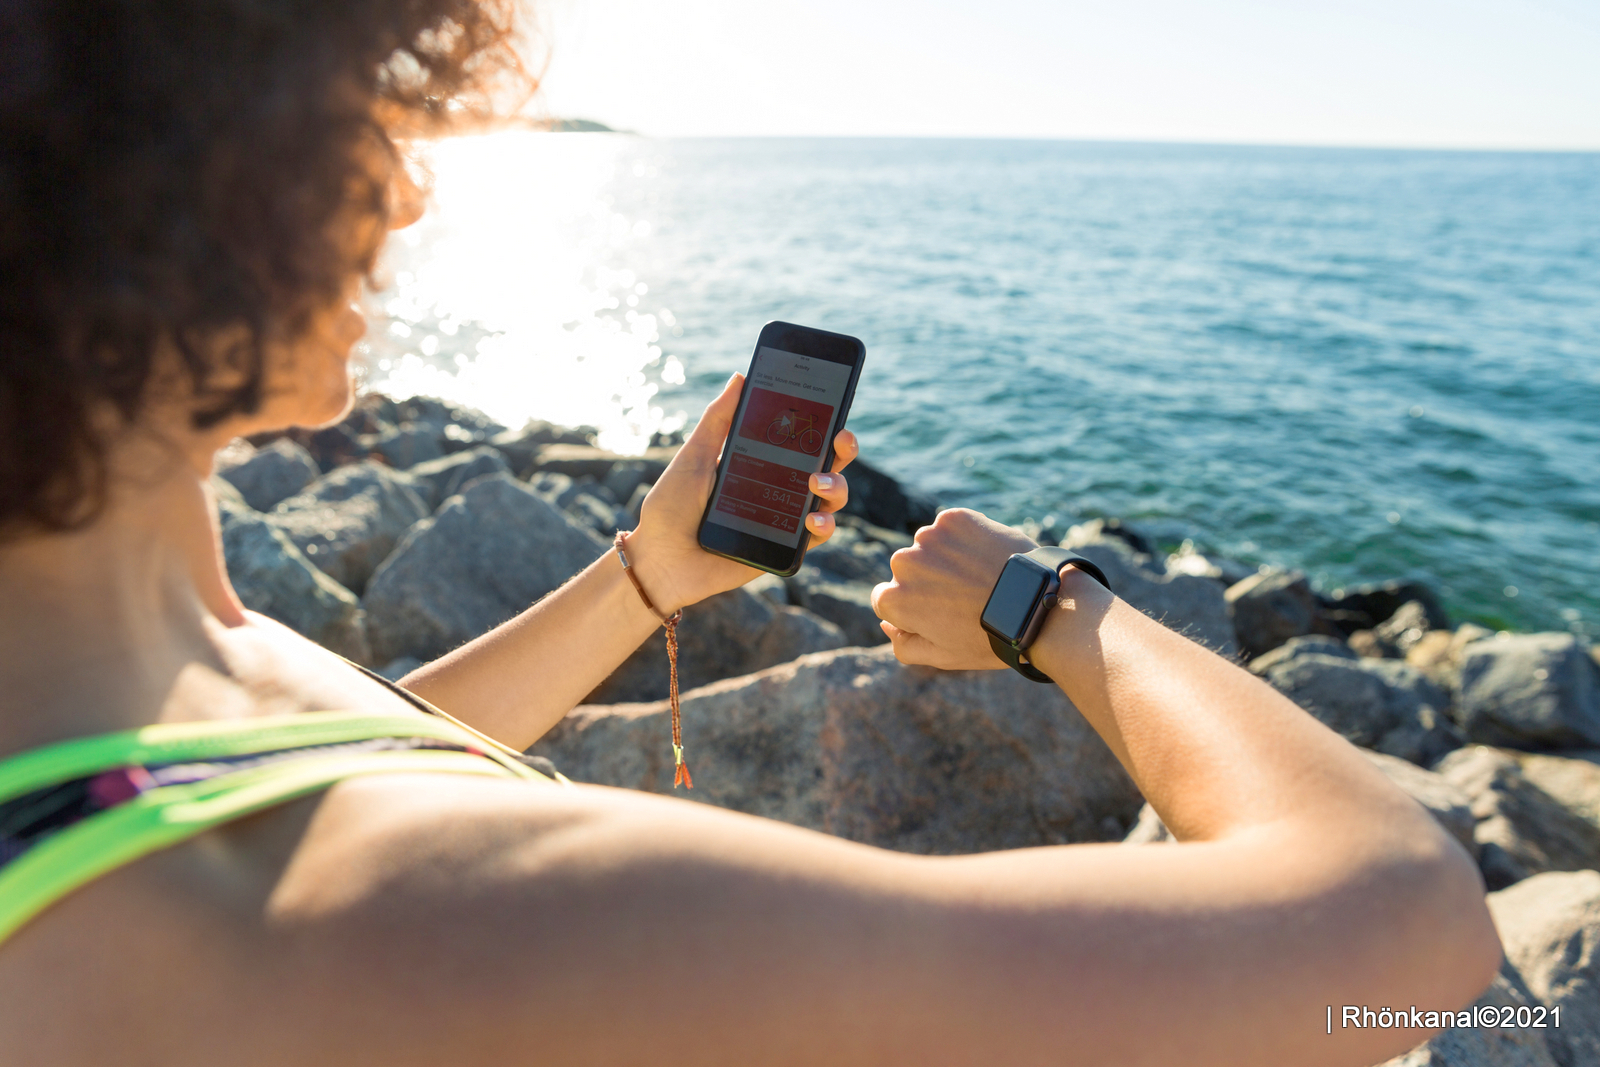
(779, 439)
(785, 421)
(759, 490)
(768, 493)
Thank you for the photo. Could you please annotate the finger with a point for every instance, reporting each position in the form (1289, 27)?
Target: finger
(704, 445)
(913, 649)
(880, 592)
(845, 449)
(832, 489)
(876, 599)
(820, 526)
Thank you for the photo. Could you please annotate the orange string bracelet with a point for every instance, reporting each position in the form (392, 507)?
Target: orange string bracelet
(680, 775)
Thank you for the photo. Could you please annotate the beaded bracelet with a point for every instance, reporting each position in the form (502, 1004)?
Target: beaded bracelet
(680, 775)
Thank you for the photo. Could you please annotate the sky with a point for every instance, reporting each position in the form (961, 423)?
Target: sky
(1519, 74)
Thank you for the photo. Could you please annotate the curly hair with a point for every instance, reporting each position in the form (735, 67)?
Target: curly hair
(171, 174)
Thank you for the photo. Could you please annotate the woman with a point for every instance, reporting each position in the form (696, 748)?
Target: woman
(194, 190)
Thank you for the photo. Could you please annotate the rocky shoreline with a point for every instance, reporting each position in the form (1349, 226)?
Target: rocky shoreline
(415, 525)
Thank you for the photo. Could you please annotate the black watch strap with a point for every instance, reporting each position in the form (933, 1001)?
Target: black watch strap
(1013, 659)
(1055, 559)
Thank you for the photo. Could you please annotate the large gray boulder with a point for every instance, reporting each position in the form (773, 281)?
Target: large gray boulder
(225, 492)
(272, 473)
(1365, 607)
(1521, 830)
(558, 489)
(850, 556)
(852, 743)
(1401, 632)
(1271, 606)
(485, 556)
(1447, 802)
(585, 501)
(628, 476)
(1187, 603)
(893, 540)
(1438, 653)
(1139, 543)
(350, 520)
(878, 498)
(635, 505)
(407, 446)
(1572, 779)
(438, 416)
(723, 636)
(445, 477)
(846, 604)
(1379, 704)
(770, 588)
(587, 461)
(1296, 647)
(273, 577)
(1530, 691)
(332, 446)
(1449, 806)
(1550, 927)
(520, 447)
(1396, 636)
(795, 632)
(372, 413)
(592, 507)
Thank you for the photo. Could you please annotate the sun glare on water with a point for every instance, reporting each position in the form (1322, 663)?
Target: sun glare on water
(511, 295)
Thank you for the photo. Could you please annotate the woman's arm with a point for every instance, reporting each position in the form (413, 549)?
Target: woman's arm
(468, 921)
(1215, 750)
(486, 921)
(1379, 899)
(519, 679)
(464, 920)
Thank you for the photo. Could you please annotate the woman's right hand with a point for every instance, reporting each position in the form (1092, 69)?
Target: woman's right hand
(931, 609)
(666, 546)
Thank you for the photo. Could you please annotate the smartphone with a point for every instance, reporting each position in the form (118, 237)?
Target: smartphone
(796, 396)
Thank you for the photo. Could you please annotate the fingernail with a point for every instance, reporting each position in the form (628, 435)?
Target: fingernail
(814, 520)
(824, 481)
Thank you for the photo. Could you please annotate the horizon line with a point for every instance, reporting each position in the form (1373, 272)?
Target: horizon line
(1083, 139)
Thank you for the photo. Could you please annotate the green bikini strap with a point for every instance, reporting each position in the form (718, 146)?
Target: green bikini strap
(182, 742)
(168, 815)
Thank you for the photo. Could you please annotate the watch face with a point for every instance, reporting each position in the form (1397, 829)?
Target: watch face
(1015, 595)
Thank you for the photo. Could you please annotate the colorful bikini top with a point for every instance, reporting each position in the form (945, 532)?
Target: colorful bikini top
(72, 811)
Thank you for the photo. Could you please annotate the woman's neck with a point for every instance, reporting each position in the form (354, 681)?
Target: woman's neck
(97, 625)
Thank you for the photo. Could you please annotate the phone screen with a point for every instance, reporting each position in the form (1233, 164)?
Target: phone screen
(780, 435)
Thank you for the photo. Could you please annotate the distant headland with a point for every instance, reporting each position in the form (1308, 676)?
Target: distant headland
(557, 125)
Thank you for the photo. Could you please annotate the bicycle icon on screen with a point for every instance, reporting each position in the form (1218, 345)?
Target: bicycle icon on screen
(787, 427)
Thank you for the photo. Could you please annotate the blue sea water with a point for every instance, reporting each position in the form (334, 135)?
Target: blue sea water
(1366, 364)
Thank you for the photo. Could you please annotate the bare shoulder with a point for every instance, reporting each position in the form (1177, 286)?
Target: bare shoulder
(284, 671)
(178, 931)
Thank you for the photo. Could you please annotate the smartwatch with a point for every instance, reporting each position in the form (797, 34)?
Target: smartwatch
(1020, 600)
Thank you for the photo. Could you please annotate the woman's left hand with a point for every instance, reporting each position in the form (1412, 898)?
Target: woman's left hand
(665, 549)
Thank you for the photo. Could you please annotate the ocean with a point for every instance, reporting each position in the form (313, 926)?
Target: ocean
(1366, 364)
